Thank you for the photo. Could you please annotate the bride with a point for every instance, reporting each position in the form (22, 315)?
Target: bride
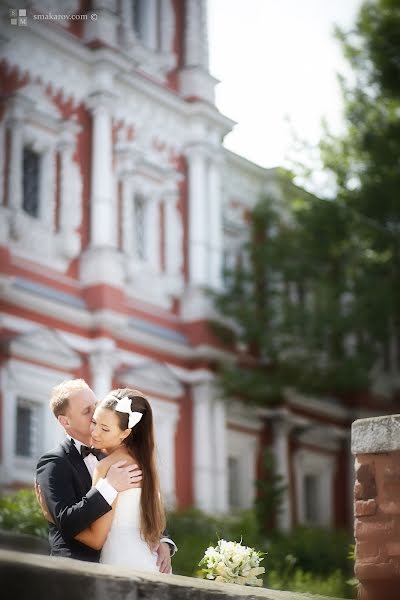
(129, 535)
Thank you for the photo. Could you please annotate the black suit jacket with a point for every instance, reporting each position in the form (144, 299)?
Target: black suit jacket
(73, 503)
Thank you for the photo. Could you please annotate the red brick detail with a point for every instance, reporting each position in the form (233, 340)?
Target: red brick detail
(377, 526)
(393, 548)
(390, 508)
(366, 529)
(366, 550)
(372, 570)
(365, 508)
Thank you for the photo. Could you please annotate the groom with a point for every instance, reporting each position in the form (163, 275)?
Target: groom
(64, 478)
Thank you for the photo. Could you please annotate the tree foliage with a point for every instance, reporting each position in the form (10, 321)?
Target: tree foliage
(315, 292)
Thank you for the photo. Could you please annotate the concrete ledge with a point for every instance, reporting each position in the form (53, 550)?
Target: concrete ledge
(32, 577)
(376, 435)
(11, 540)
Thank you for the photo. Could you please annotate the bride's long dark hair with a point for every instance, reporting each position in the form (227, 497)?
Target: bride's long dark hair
(141, 446)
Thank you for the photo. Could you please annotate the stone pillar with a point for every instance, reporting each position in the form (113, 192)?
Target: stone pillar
(167, 29)
(104, 28)
(47, 184)
(215, 213)
(153, 233)
(196, 46)
(173, 232)
(128, 216)
(150, 25)
(103, 359)
(281, 430)
(102, 213)
(127, 30)
(2, 159)
(220, 460)
(376, 446)
(15, 191)
(198, 263)
(203, 446)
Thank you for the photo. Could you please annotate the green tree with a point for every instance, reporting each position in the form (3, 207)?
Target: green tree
(314, 295)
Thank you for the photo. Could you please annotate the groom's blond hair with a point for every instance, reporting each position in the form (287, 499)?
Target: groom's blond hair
(61, 394)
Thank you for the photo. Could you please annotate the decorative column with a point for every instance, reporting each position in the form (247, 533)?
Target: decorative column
(150, 24)
(165, 423)
(70, 193)
(195, 79)
(166, 26)
(220, 460)
(102, 213)
(9, 403)
(215, 214)
(196, 44)
(128, 231)
(2, 159)
(281, 430)
(203, 447)
(103, 359)
(15, 174)
(47, 184)
(105, 27)
(153, 232)
(173, 232)
(127, 30)
(376, 446)
(198, 234)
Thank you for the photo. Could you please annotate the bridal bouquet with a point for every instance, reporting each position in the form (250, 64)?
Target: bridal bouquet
(230, 562)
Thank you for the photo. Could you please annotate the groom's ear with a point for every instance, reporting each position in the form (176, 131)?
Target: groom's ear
(63, 420)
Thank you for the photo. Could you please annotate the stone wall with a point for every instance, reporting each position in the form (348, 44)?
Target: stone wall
(376, 446)
(33, 577)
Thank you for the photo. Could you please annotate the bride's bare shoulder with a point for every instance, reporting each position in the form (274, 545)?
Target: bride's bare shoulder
(121, 454)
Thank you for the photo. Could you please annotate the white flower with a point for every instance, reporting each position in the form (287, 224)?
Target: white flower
(231, 562)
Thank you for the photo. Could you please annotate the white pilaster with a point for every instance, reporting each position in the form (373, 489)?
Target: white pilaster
(196, 34)
(173, 237)
(127, 30)
(150, 24)
(102, 208)
(2, 159)
(221, 474)
(105, 26)
(47, 187)
(70, 193)
(153, 233)
(15, 191)
(167, 23)
(198, 234)
(203, 447)
(103, 359)
(165, 422)
(215, 225)
(128, 230)
(281, 431)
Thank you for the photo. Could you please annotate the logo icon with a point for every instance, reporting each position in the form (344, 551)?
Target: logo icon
(18, 17)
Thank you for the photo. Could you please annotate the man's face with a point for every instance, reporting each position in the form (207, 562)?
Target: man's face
(78, 417)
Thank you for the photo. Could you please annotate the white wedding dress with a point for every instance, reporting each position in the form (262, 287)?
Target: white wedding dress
(124, 547)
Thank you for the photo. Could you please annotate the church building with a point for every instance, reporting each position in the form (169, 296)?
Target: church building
(119, 206)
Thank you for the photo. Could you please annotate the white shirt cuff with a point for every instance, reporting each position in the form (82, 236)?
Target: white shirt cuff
(171, 543)
(106, 490)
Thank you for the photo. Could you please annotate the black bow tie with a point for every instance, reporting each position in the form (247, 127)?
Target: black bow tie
(85, 451)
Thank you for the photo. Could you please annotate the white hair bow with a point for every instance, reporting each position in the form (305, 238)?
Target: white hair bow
(124, 405)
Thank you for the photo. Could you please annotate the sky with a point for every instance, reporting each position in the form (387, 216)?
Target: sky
(277, 62)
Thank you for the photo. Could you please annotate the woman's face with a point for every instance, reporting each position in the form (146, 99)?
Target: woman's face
(105, 430)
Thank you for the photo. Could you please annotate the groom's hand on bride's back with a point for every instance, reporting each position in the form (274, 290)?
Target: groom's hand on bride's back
(122, 476)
